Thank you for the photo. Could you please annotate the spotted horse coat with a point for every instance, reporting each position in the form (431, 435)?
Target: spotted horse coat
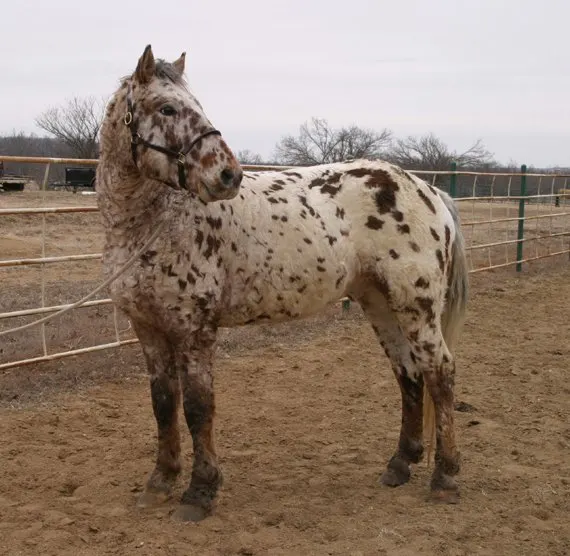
(257, 247)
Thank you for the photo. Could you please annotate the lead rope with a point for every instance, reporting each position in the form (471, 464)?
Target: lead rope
(112, 278)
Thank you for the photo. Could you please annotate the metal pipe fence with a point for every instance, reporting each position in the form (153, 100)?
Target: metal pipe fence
(509, 219)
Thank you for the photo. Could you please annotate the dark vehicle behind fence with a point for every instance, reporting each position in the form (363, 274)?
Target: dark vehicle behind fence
(77, 178)
(10, 182)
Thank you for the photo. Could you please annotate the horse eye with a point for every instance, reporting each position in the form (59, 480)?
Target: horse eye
(167, 111)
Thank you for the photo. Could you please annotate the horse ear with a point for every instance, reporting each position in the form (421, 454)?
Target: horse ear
(180, 63)
(146, 66)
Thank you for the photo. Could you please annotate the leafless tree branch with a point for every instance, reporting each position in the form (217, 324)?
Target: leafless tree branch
(428, 152)
(246, 156)
(318, 143)
(75, 124)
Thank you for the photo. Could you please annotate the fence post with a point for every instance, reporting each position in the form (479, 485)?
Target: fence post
(453, 180)
(520, 234)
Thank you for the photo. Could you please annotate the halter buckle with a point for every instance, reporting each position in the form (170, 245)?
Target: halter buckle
(181, 158)
(128, 119)
(135, 138)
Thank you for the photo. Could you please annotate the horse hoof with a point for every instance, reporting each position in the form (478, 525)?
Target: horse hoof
(397, 473)
(392, 479)
(445, 496)
(188, 512)
(149, 498)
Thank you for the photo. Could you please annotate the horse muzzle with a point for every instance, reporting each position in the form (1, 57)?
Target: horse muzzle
(225, 187)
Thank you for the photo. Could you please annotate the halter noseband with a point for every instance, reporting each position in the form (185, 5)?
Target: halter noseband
(137, 140)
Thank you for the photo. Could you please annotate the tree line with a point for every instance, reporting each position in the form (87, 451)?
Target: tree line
(72, 131)
(317, 142)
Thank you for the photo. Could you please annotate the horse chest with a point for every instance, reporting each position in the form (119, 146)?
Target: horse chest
(165, 293)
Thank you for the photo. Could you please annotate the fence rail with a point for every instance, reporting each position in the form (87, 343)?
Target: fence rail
(509, 219)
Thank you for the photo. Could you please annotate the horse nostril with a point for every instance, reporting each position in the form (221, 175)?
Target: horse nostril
(227, 176)
(237, 179)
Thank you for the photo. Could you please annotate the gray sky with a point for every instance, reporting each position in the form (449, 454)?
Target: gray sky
(498, 70)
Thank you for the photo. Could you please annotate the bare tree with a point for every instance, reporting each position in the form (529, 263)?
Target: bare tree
(318, 143)
(246, 156)
(75, 124)
(428, 152)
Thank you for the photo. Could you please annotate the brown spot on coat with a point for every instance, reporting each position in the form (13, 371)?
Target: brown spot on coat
(317, 182)
(199, 239)
(374, 223)
(434, 234)
(294, 174)
(421, 282)
(330, 190)
(208, 160)
(334, 178)
(215, 223)
(440, 262)
(385, 200)
(426, 305)
(447, 237)
(426, 200)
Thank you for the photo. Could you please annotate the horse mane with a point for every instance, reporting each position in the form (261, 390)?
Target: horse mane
(163, 70)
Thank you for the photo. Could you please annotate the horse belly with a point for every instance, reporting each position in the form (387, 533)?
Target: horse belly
(280, 296)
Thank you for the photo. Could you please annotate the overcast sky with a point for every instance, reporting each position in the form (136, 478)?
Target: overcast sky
(498, 70)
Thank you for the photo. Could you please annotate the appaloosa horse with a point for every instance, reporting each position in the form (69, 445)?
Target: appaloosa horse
(240, 248)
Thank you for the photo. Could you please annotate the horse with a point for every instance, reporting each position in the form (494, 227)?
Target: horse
(234, 248)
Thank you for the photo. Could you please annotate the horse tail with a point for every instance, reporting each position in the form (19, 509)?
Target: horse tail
(453, 313)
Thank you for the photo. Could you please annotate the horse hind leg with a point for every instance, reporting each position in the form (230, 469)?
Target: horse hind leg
(436, 363)
(165, 394)
(410, 380)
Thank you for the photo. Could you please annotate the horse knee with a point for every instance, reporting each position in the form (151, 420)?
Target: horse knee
(198, 403)
(164, 394)
(439, 378)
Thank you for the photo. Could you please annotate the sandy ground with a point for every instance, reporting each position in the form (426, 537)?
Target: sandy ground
(308, 415)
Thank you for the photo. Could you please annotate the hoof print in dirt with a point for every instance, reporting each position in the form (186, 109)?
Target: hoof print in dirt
(445, 496)
(149, 499)
(464, 407)
(189, 513)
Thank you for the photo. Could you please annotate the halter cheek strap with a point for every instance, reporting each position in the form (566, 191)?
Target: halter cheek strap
(137, 140)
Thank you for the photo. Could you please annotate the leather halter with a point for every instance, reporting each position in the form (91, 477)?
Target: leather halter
(137, 140)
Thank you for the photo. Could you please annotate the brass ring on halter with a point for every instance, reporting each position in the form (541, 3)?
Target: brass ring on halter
(128, 119)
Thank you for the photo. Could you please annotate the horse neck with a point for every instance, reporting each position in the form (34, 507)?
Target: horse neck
(130, 204)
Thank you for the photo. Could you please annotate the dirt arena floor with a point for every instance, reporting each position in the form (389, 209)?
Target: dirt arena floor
(308, 415)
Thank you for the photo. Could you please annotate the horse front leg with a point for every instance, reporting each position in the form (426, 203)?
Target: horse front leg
(195, 369)
(165, 393)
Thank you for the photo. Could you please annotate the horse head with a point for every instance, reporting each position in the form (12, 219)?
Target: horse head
(171, 138)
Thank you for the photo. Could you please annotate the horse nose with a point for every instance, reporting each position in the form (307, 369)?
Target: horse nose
(231, 178)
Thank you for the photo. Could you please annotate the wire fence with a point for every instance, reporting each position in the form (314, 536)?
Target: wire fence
(509, 218)
(51, 241)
